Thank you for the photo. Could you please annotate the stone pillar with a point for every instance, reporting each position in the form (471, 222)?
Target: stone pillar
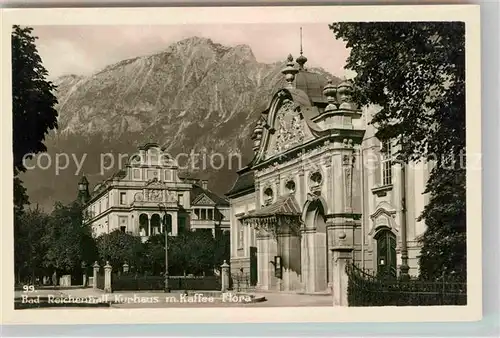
(107, 277)
(84, 273)
(266, 262)
(341, 257)
(289, 250)
(225, 276)
(271, 251)
(260, 262)
(175, 225)
(95, 275)
(309, 260)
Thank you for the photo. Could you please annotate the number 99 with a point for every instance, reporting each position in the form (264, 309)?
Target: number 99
(28, 288)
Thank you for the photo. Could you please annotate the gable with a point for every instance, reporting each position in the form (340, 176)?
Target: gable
(155, 184)
(203, 199)
(287, 128)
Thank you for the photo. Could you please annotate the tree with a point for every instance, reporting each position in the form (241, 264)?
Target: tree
(69, 241)
(118, 247)
(154, 250)
(32, 98)
(33, 112)
(191, 252)
(222, 250)
(415, 72)
(29, 250)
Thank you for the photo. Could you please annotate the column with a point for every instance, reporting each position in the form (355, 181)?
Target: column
(175, 226)
(149, 224)
(95, 275)
(271, 250)
(341, 257)
(261, 276)
(301, 194)
(107, 277)
(289, 250)
(225, 276)
(309, 235)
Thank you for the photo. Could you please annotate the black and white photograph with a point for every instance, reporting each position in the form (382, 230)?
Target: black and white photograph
(234, 164)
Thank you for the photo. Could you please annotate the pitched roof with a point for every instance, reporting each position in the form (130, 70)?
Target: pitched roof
(245, 181)
(197, 192)
(284, 205)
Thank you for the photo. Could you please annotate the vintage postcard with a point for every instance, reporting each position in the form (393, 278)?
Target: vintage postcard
(325, 161)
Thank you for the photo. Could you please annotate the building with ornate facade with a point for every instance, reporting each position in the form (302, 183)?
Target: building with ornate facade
(320, 192)
(149, 193)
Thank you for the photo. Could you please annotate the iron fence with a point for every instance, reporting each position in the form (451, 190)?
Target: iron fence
(133, 282)
(366, 289)
(100, 279)
(241, 282)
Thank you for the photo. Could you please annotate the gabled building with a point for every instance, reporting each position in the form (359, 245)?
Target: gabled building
(148, 193)
(321, 189)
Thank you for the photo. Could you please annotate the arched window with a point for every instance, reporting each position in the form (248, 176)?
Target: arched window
(268, 196)
(386, 253)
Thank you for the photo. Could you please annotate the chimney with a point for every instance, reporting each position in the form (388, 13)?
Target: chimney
(204, 184)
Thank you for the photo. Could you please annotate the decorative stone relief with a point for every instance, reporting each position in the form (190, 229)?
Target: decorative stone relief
(171, 197)
(348, 162)
(139, 197)
(289, 128)
(155, 195)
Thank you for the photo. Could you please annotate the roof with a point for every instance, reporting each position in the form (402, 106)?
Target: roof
(245, 181)
(197, 191)
(284, 205)
(312, 84)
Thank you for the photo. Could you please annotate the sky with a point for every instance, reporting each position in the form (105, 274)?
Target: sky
(83, 50)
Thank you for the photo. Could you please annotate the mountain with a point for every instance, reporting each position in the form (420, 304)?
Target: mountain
(197, 95)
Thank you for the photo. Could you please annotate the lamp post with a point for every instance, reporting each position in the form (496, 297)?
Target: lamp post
(165, 227)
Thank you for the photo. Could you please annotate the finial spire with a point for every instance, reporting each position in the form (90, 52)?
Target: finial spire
(289, 71)
(300, 40)
(301, 60)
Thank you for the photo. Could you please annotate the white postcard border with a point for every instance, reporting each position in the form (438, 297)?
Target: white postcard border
(221, 15)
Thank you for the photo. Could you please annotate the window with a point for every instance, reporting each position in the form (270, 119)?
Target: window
(315, 179)
(268, 196)
(168, 175)
(136, 174)
(241, 235)
(181, 224)
(290, 187)
(386, 161)
(123, 198)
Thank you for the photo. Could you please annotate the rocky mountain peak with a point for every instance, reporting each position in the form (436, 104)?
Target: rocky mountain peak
(195, 95)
